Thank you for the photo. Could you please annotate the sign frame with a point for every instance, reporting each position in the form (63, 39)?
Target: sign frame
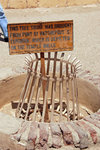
(20, 36)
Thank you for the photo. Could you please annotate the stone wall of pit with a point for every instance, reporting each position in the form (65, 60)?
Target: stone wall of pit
(22, 135)
(75, 135)
(45, 3)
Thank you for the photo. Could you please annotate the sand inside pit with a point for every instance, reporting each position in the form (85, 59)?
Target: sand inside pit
(9, 109)
(10, 90)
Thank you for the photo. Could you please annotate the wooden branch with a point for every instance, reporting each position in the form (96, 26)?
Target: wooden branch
(45, 101)
(54, 73)
(53, 99)
(48, 65)
(30, 95)
(73, 93)
(76, 95)
(37, 97)
(24, 93)
(61, 89)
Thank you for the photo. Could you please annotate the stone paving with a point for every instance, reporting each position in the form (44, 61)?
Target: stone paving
(43, 136)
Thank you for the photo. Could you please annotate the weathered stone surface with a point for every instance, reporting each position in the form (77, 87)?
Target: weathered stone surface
(90, 141)
(21, 130)
(95, 116)
(4, 3)
(33, 134)
(91, 131)
(75, 136)
(24, 136)
(96, 129)
(82, 135)
(32, 3)
(94, 122)
(17, 4)
(8, 124)
(80, 2)
(45, 3)
(67, 135)
(43, 136)
(56, 135)
(61, 3)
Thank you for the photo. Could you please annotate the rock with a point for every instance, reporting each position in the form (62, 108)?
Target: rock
(8, 124)
(33, 133)
(43, 136)
(94, 122)
(91, 131)
(56, 135)
(95, 116)
(67, 135)
(82, 135)
(75, 136)
(21, 130)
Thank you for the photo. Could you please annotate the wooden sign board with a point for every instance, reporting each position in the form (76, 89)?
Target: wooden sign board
(40, 37)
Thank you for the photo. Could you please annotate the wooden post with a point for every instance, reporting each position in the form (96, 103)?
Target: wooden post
(46, 118)
(67, 92)
(54, 73)
(37, 97)
(73, 93)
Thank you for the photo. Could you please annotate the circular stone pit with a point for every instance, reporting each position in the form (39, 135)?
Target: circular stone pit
(21, 135)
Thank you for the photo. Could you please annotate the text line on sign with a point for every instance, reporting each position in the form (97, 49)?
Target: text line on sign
(40, 37)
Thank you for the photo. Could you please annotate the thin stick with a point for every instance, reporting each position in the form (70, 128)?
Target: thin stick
(24, 92)
(60, 89)
(73, 94)
(32, 88)
(54, 73)
(45, 100)
(48, 65)
(37, 97)
(67, 91)
(67, 98)
(60, 98)
(53, 100)
(35, 70)
(31, 95)
(28, 86)
(76, 94)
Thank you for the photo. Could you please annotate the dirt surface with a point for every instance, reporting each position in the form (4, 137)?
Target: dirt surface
(10, 90)
(86, 34)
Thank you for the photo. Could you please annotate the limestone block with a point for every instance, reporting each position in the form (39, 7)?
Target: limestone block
(62, 3)
(17, 4)
(56, 135)
(80, 2)
(82, 135)
(32, 3)
(67, 135)
(46, 3)
(92, 131)
(4, 3)
(9, 125)
(44, 133)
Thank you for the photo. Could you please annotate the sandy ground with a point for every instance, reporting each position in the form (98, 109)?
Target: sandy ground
(86, 35)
